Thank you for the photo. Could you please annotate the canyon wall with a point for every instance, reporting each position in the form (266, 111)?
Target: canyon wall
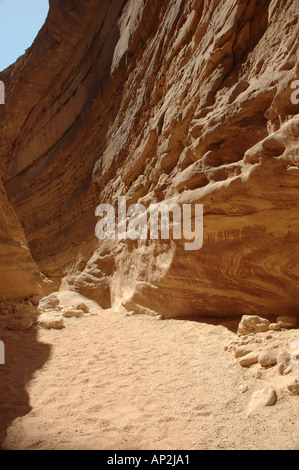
(181, 102)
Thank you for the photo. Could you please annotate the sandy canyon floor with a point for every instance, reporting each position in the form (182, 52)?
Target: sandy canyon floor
(111, 381)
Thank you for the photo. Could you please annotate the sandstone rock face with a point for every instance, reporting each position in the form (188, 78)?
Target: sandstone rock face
(19, 275)
(181, 101)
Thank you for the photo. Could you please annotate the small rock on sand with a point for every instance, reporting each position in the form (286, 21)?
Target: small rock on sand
(71, 312)
(249, 359)
(265, 397)
(51, 301)
(49, 321)
(293, 387)
(268, 357)
(243, 350)
(283, 363)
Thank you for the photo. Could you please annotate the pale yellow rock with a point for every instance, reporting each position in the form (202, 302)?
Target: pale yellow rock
(268, 357)
(252, 324)
(69, 313)
(261, 398)
(274, 327)
(51, 301)
(283, 363)
(75, 301)
(50, 321)
(243, 350)
(249, 359)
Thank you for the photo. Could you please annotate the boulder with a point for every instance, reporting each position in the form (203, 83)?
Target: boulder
(252, 324)
(49, 302)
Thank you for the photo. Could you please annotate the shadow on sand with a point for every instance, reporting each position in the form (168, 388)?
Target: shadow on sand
(24, 355)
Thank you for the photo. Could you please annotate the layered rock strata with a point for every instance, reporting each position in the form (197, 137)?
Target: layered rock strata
(182, 101)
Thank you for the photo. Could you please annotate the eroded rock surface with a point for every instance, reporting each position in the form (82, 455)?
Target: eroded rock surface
(19, 276)
(268, 359)
(181, 101)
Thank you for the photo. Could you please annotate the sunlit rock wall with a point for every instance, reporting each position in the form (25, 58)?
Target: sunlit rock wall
(181, 101)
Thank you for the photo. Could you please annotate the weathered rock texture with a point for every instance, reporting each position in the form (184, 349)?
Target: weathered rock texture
(19, 275)
(181, 101)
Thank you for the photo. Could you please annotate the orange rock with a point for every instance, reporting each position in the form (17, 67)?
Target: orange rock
(152, 104)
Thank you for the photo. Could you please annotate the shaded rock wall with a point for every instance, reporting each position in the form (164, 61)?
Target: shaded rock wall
(182, 101)
(19, 275)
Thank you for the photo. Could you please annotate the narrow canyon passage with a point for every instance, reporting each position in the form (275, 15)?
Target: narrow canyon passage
(112, 381)
(190, 109)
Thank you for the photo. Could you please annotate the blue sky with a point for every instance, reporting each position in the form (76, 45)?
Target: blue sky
(20, 21)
